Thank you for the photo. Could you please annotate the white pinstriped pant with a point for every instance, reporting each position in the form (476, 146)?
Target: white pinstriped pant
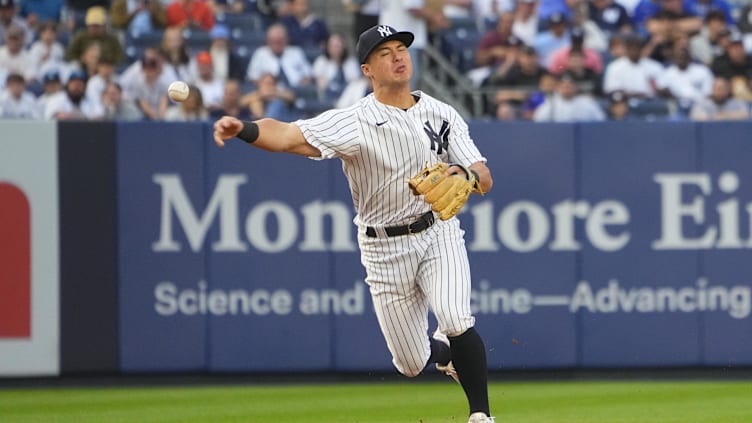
(407, 275)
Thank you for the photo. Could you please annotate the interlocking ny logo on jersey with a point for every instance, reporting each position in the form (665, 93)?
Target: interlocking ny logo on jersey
(440, 140)
(384, 31)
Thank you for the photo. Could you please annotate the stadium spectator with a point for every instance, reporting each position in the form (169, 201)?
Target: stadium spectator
(516, 82)
(286, 63)
(632, 74)
(618, 107)
(89, 60)
(706, 45)
(554, 38)
(365, 14)
(560, 58)
(548, 8)
(177, 60)
(416, 16)
(685, 81)
(104, 75)
(270, 99)
(335, 68)
(670, 20)
(192, 14)
(567, 105)
(115, 107)
(492, 48)
(701, 8)
(594, 38)
(75, 11)
(227, 64)
(720, 105)
(15, 101)
(354, 92)
(9, 18)
(133, 74)
(735, 65)
(138, 16)
(526, 21)
(520, 67)
(52, 87)
(36, 12)
(14, 58)
(304, 29)
(211, 87)
(230, 104)
(46, 53)
(148, 90)
(610, 16)
(233, 6)
(189, 110)
(96, 32)
(73, 104)
(588, 80)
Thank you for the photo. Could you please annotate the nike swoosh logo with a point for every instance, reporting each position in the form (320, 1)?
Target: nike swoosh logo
(381, 123)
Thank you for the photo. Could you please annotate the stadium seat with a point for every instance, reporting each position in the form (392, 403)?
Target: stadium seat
(244, 21)
(142, 40)
(459, 44)
(196, 40)
(249, 38)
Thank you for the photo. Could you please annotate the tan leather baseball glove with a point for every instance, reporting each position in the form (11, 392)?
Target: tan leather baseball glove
(446, 194)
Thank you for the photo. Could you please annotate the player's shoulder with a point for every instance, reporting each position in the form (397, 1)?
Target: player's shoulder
(439, 107)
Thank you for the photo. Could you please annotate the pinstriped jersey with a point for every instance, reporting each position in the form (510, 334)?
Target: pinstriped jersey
(381, 147)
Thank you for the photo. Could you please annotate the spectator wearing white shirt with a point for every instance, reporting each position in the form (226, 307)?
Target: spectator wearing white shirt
(632, 74)
(288, 64)
(335, 68)
(416, 16)
(13, 56)
(96, 84)
(148, 89)
(566, 105)
(685, 81)
(52, 87)
(720, 105)
(9, 18)
(15, 101)
(212, 88)
(46, 53)
(73, 105)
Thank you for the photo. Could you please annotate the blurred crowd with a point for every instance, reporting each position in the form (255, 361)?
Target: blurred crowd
(542, 60)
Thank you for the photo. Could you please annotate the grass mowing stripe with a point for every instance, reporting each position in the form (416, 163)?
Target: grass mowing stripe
(407, 402)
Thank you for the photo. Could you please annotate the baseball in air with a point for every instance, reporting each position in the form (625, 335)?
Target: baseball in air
(178, 91)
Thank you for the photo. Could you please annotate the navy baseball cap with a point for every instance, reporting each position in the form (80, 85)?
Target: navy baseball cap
(374, 36)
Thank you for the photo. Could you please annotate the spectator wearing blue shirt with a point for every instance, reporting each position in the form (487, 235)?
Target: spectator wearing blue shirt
(609, 16)
(702, 7)
(37, 11)
(304, 29)
(554, 38)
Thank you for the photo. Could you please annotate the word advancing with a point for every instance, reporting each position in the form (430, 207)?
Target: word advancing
(736, 300)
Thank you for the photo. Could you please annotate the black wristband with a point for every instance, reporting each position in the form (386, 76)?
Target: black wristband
(477, 179)
(250, 132)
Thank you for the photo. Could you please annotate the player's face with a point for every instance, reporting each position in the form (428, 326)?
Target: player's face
(390, 61)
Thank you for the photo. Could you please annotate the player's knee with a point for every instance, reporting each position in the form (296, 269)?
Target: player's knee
(410, 369)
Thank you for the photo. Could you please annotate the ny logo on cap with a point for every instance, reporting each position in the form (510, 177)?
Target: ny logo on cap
(384, 31)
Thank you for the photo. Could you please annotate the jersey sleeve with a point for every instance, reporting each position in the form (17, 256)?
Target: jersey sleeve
(464, 151)
(334, 133)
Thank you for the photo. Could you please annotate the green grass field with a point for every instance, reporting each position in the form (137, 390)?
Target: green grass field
(388, 402)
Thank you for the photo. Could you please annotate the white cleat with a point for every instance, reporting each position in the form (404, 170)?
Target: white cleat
(447, 369)
(480, 418)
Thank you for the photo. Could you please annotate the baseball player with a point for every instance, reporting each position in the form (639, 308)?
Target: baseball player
(411, 165)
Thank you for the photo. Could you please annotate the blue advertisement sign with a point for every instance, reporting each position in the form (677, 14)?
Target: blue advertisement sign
(601, 245)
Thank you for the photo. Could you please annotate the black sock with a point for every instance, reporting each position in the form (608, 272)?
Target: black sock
(440, 353)
(469, 358)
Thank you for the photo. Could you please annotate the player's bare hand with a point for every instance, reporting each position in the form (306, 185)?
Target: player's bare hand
(225, 128)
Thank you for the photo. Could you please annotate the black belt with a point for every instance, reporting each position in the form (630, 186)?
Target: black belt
(424, 222)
